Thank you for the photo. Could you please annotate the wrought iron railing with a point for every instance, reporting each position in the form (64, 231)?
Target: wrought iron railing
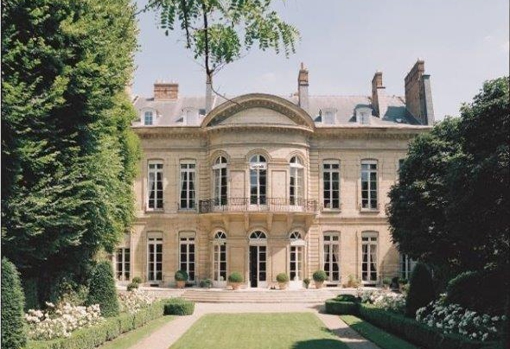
(257, 204)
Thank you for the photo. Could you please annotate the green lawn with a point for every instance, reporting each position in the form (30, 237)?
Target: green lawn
(259, 331)
(132, 337)
(382, 338)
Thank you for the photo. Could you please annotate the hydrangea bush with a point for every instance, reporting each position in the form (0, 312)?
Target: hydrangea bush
(56, 322)
(452, 318)
(132, 301)
(385, 300)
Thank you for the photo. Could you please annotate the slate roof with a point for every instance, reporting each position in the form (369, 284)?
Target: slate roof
(170, 113)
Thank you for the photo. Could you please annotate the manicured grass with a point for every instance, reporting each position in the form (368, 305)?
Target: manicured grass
(382, 338)
(132, 337)
(259, 331)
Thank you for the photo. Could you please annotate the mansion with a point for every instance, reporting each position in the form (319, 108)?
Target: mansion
(263, 184)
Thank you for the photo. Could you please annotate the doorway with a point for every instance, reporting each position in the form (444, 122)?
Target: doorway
(257, 265)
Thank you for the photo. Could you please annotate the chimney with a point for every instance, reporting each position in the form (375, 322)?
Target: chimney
(166, 91)
(303, 88)
(379, 102)
(419, 94)
(208, 95)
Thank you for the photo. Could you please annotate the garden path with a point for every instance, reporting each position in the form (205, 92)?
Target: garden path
(167, 335)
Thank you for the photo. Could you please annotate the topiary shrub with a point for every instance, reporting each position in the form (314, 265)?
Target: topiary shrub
(181, 275)
(319, 276)
(102, 290)
(421, 291)
(306, 281)
(13, 302)
(347, 298)
(206, 283)
(235, 277)
(179, 306)
(282, 278)
(132, 286)
(137, 280)
(338, 307)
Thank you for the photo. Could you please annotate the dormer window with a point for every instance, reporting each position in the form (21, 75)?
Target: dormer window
(329, 116)
(363, 115)
(148, 118)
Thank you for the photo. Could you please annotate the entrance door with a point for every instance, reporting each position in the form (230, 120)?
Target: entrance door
(257, 265)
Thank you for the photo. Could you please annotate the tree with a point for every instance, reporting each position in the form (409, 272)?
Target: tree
(69, 155)
(102, 290)
(451, 205)
(13, 322)
(218, 32)
(421, 290)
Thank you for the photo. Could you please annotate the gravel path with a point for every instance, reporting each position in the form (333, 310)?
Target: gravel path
(167, 335)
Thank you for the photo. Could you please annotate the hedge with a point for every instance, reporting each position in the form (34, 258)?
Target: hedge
(338, 307)
(179, 306)
(421, 290)
(111, 328)
(102, 290)
(415, 332)
(13, 301)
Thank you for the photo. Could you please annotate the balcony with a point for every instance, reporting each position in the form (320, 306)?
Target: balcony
(273, 205)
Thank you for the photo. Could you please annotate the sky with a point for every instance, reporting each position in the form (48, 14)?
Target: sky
(343, 43)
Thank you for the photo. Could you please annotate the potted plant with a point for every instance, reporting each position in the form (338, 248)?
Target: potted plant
(402, 283)
(353, 281)
(319, 277)
(386, 282)
(206, 283)
(235, 279)
(306, 281)
(282, 279)
(180, 278)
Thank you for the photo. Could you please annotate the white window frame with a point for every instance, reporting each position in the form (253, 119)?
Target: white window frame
(148, 115)
(332, 240)
(155, 240)
(370, 239)
(259, 239)
(258, 170)
(328, 169)
(123, 265)
(155, 167)
(188, 239)
(406, 265)
(297, 256)
(297, 182)
(370, 191)
(220, 178)
(219, 251)
(187, 185)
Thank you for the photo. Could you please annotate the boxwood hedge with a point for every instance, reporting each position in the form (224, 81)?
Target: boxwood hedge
(179, 306)
(339, 307)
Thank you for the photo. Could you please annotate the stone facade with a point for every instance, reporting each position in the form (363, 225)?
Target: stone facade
(263, 185)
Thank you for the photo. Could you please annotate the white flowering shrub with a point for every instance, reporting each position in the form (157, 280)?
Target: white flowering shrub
(385, 300)
(56, 322)
(132, 301)
(452, 318)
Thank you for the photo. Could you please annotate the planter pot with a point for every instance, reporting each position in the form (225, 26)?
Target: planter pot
(319, 284)
(235, 285)
(180, 284)
(282, 285)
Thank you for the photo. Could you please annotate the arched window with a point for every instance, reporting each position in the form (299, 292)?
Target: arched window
(295, 236)
(220, 257)
(296, 256)
(296, 181)
(220, 181)
(258, 180)
(258, 258)
(257, 236)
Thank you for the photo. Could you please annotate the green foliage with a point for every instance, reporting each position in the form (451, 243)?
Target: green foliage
(282, 278)
(340, 307)
(102, 290)
(421, 291)
(206, 283)
(452, 203)
(137, 280)
(415, 332)
(132, 286)
(92, 337)
(347, 298)
(235, 277)
(220, 32)
(386, 281)
(353, 281)
(319, 276)
(181, 275)
(480, 291)
(31, 294)
(306, 281)
(13, 302)
(69, 155)
(179, 306)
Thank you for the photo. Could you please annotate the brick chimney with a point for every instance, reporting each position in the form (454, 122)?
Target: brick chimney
(166, 91)
(303, 88)
(379, 102)
(419, 94)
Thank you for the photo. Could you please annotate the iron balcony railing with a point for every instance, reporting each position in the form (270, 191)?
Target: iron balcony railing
(257, 204)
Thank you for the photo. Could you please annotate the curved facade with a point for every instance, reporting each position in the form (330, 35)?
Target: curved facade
(263, 185)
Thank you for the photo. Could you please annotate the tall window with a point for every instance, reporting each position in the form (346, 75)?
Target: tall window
(155, 258)
(331, 178)
(296, 256)
(220, 257)
(187, 254)
(187, 185)
(406, 266)
(122, 264)
(258, 177)
(296, 181)
(148, 118)
(369, 184)
(258, 258)
(332, 256)
(400, 163)
(155, 185)
(369, 257)
(220, 181)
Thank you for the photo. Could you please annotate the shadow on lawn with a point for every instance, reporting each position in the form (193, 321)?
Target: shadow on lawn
(318, 344)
